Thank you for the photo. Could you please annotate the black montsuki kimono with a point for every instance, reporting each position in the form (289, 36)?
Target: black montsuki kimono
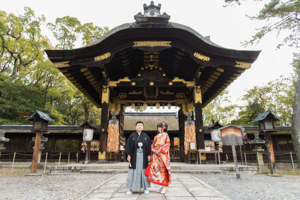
(132, 145)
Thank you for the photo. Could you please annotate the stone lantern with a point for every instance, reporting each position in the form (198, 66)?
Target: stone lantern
(2, 140)
(40, 126)
(88, 134)
(257, 142)
(266, 126)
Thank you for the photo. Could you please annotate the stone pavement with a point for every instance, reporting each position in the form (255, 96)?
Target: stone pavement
(183, 186)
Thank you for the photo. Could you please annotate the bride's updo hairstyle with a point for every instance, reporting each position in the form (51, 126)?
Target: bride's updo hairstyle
(164, 126)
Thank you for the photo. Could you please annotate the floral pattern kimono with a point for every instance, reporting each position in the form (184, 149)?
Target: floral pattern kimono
(160, 170)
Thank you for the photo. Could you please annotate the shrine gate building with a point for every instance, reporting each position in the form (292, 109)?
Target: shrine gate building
(152, 62)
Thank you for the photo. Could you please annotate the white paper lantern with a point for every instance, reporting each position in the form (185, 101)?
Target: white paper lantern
(214, 134)
(88, 134)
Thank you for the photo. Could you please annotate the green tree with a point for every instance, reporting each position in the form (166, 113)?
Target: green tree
(66, 30)
(283, 16)
(51, 82)
(248, 113)
(216, 110)
(277, 95)
(89, 31)
(18, 101)
(21, 42)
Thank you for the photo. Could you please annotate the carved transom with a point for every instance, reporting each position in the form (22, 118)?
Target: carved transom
(152, 74)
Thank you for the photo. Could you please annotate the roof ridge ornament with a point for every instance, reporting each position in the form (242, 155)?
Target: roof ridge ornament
(152, 14)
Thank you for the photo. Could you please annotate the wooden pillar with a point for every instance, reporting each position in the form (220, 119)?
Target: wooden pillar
(53, 145)
(121, 120)
(199, 120)
(104, 119)
(182, 117)
(26, 146)
(172, 142)
(270, 148)
(36, 151)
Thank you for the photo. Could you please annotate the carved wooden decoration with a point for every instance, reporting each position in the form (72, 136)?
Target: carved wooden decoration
(189, 135)
(113, 136)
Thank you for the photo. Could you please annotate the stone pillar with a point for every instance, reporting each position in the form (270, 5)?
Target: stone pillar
(259, 156)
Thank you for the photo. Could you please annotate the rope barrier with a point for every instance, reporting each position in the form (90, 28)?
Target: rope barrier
(24, 154)
(276, 154)
(6, 154)
(53, 154)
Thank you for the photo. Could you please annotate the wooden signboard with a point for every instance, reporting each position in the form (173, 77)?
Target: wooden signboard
(231, 135)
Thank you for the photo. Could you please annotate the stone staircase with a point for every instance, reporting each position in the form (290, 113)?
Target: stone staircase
(175, 168)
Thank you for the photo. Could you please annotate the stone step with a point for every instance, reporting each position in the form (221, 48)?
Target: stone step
(198, 171)
(118, 171)
(175, 168)
(104, 171)
(24, 165)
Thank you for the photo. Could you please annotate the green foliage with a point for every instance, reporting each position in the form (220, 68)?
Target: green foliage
(28, 81)
(18, 101)
(21, 42)
(277, 95)
(68, 29)
(282, 16)
(65, 144)
(89, 30)
(248, 113)
(216, 110)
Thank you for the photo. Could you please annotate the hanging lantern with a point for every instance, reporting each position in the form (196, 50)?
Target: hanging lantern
(169, 105)
(144, 106)
(88, 134)
(215, 135)
(157, 105)
(132, 106)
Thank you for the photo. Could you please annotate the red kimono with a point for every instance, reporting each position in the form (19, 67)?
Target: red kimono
(160, 171)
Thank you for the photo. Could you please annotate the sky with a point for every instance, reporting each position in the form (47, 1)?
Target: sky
(226, 26)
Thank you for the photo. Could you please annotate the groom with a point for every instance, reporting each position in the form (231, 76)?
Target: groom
(138, 150)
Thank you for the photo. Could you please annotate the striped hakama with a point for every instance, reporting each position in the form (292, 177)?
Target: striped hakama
(136, 179)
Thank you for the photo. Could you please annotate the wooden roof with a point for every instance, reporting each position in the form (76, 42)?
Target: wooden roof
(152, 59)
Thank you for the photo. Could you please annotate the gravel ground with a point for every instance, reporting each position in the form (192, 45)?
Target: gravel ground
(70, 186)
(251, 186)
(16, 186)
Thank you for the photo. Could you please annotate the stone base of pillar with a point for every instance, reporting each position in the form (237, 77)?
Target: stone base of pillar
(259, 156)
(39, 166)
